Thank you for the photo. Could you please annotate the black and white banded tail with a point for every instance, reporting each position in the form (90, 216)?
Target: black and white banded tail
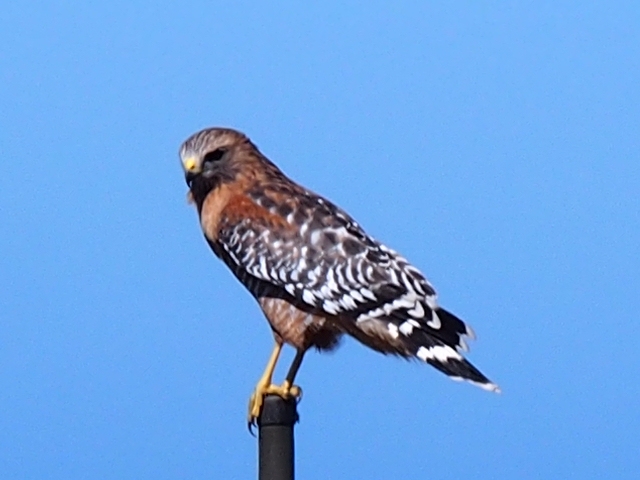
(434, 346)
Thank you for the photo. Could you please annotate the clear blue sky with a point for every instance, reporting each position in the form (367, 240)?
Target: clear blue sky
(495, 144)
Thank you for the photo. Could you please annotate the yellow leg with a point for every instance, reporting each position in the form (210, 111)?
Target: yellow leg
(266, 387)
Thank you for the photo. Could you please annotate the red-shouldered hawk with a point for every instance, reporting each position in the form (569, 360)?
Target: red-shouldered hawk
(314, 271)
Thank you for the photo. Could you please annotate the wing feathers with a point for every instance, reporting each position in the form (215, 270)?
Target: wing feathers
(321, 257)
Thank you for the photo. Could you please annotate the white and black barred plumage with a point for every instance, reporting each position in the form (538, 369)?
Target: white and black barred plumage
(333, 265)
(283, 241)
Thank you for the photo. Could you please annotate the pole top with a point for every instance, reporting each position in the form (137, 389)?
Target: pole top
(278, 411)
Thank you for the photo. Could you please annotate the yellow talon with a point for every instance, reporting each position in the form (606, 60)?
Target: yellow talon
(265, 387)
(286, 391)
(296, 392)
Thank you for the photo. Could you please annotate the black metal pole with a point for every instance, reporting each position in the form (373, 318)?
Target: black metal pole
(275, 438)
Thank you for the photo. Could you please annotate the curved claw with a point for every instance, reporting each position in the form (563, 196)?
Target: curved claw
(255, 407)
(250, 425)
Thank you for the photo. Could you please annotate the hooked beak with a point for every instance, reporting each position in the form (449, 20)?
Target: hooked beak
(191, 169)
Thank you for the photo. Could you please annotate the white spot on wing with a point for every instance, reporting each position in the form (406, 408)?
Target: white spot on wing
(417, 311)
(367, 293)
(435, 322)
(442, 353)
(325, 291)
(406, 328)
(308, 297)
(331, 307)
(331, 282)
(349, 274)
(315, 237)
(348, 302)
(302, 263)
(370, 315)
(356, 295)
(393, 330)
(408, 300)
(282, 275)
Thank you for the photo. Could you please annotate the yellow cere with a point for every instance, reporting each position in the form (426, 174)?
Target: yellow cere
(190, 163)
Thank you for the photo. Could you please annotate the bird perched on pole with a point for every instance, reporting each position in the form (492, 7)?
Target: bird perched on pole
(314, 271)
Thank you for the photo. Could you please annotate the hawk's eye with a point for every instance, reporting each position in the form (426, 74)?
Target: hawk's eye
(215, 155)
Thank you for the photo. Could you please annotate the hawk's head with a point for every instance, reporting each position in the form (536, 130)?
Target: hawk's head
(211, 157)
(215, 156)
(207, 156)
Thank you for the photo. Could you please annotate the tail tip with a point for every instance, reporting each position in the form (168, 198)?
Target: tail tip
(488, 386)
